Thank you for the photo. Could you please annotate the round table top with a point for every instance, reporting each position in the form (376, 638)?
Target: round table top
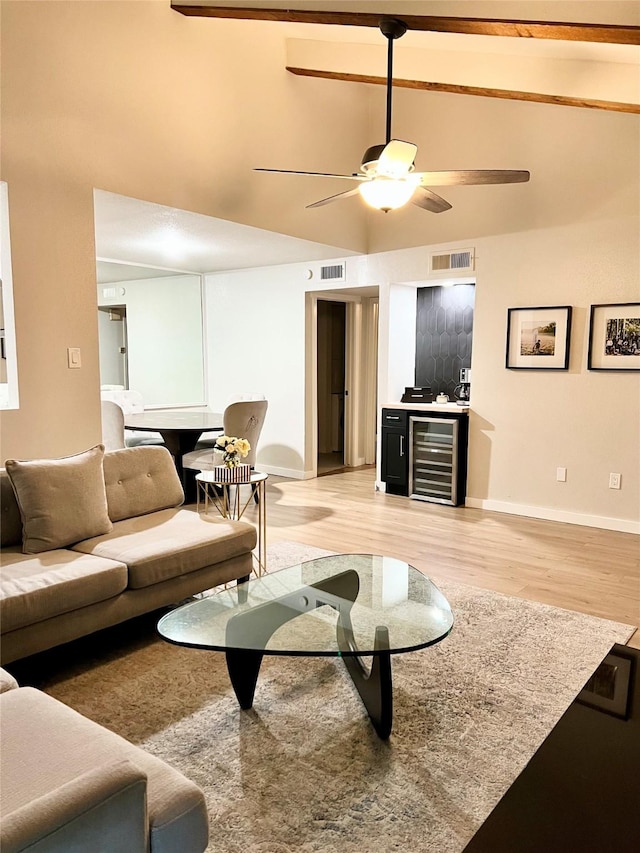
(172, 419)
(211, 477)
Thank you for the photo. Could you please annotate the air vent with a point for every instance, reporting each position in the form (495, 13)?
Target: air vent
(336, 272)
(109, 292)
(461, 261)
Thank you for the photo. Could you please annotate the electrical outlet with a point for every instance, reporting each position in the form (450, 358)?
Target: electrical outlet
(561, 475)
(615, 481)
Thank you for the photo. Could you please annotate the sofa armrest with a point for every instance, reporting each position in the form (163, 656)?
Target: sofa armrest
(102, 810)
(7, 681)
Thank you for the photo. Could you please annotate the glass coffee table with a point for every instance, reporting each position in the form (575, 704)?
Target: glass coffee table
(349, 606)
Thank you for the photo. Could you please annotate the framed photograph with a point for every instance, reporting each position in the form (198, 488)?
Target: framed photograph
(538, 338)
(609, 688)
(614, 337)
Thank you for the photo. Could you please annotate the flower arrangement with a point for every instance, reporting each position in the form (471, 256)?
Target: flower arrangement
(233, 449)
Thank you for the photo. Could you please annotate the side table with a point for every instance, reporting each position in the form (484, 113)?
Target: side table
(211, 491)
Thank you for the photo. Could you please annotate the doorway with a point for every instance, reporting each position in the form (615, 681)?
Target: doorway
(112, 337)
(354, 326)
(331, 373)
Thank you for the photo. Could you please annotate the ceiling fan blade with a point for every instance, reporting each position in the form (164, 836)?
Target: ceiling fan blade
(472, 176)
(396, 158)
(334, 197)
(313, 174)
(430, 201)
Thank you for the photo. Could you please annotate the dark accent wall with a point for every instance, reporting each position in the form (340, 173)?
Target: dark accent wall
(444, 329)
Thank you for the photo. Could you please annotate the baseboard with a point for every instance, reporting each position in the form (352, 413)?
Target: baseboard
(622, 525)
(292, 473)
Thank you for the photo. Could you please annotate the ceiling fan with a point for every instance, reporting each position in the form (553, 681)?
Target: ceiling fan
(387, 178)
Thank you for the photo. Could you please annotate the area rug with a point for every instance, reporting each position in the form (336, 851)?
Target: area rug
(304, 770)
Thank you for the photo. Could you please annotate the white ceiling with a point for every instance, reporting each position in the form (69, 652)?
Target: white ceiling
(139, 239)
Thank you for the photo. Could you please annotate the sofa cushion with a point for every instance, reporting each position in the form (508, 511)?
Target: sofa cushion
(7, 681)
(45, 745)
(140, 480)
(10, 521)
(61, 500)
(38, 587)
(170, 543)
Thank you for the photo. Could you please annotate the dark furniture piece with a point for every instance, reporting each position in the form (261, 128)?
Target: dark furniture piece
(579, 792)
(395, 451)
(424, 454)
(348, 606)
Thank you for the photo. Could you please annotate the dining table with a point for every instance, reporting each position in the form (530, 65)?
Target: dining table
(180, 429)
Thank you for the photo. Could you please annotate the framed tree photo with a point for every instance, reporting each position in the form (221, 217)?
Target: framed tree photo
(614, 337)
(538, 338)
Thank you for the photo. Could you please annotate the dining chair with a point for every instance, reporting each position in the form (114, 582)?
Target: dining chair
(112, 426)
(243, 419)
(130, 402)
(208, 439)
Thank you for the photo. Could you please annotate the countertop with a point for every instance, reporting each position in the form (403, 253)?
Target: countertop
(434, 408)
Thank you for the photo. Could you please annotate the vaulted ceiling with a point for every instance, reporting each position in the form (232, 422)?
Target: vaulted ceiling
(582, 54)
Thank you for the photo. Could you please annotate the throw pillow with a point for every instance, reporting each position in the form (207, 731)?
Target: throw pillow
(62, 501)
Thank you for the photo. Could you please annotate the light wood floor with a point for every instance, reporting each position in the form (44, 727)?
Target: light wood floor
(579, 568)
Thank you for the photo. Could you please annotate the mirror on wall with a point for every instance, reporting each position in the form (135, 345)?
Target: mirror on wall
(8, 358)
(151, 334)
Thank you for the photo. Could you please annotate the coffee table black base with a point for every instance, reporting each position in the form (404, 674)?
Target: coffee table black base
(374, 686)
(243, 667)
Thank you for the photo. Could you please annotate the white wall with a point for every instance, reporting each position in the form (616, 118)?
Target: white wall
(524, 424)
(256, 342)
(164, 337)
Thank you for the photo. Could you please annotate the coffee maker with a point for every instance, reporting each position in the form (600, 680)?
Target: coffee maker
(462, 391)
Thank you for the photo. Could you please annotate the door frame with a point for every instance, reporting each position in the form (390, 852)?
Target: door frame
(361, 370)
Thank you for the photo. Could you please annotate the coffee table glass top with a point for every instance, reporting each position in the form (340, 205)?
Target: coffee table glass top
(294, 611)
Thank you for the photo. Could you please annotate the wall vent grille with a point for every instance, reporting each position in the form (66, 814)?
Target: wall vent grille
(462, 260)
(334, 272)
(109, 292)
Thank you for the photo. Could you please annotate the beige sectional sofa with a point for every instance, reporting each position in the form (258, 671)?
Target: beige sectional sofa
(94, 539)
(71, 786)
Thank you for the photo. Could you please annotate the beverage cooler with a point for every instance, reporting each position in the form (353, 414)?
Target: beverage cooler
(437, 459)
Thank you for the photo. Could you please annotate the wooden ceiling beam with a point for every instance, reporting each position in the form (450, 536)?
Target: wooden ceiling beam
(605, 33)
(458, 89)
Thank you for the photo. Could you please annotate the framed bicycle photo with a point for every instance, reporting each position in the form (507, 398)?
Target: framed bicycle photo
(614, 337)
(538, 338)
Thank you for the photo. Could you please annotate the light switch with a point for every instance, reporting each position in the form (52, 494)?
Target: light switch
(73, 357)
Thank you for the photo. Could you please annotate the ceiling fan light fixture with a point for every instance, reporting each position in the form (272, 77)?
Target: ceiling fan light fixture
(387, 194)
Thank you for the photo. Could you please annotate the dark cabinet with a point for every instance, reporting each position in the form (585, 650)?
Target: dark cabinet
(395, 451)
